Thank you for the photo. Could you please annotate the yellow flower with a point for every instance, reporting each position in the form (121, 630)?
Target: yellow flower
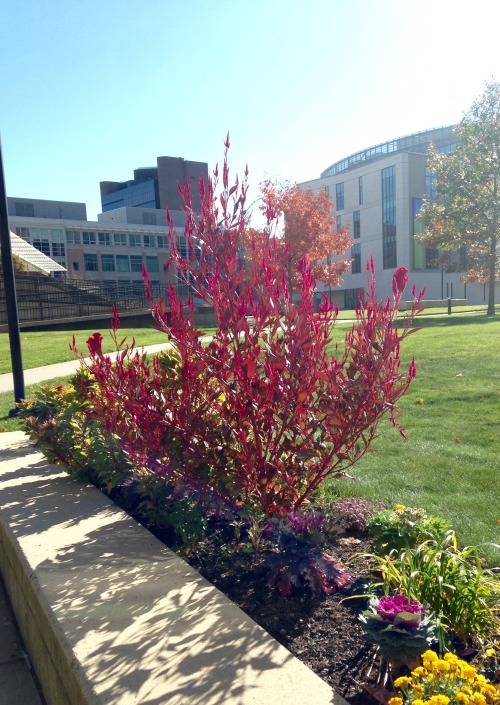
(462, 698)
(442, 666)
(400, 507)
(396, 701)
(490, 652)
(418, 672)
(417, 690)
(403, 680)
(439, 700)
(478, 699)
(418, 702)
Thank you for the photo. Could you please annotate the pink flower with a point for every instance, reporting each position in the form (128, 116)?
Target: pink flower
(399, 280)
(389, 607)
(94, 344)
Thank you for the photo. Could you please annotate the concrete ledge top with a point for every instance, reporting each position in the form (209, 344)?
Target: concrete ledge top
(134, 622)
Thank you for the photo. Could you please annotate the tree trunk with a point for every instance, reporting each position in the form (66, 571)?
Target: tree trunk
(493, 261)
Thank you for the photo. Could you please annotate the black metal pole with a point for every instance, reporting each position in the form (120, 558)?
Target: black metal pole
(10, 294)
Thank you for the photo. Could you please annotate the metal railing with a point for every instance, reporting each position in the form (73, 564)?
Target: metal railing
(48, 298)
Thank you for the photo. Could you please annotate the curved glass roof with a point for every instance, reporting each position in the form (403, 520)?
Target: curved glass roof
(443, 138)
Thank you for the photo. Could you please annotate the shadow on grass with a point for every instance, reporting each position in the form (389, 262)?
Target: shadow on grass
(457, 320)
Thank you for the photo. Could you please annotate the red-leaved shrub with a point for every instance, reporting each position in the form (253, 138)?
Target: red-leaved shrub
(262, 414)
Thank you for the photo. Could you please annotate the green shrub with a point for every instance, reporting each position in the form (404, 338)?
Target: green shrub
(60, 420)
(405, 527)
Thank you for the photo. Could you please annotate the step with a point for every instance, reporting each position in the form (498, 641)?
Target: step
(110, 616)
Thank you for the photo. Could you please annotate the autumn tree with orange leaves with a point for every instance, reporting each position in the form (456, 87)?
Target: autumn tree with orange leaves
(309, 229)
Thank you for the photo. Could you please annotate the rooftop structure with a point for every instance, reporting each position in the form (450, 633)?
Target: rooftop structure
(155, 187)
(442, 138)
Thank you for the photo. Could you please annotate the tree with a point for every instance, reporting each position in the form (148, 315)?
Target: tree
(309, 230)
(468, 183)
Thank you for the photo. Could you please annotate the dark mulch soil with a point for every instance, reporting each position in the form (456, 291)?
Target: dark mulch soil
(323, 631)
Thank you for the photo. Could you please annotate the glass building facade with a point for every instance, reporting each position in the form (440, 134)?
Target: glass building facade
(141, 195)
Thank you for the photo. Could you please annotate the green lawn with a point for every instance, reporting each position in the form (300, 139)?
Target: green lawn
(48, 347)
(451, 463)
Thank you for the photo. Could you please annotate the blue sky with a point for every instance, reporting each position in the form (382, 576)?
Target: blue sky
(92, 89)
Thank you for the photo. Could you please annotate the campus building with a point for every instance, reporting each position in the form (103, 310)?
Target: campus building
(155, 187)
(111, 249)
(378, 193)
(131, 231)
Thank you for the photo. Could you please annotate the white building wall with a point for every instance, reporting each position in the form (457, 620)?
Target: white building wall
(410, 184)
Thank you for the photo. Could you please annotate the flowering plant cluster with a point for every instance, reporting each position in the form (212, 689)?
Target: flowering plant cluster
(399, 626)
(446, 681)
(405, 527)
(354, 512)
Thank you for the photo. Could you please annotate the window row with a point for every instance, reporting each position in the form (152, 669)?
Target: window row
(118, 263)
(117, 239)
(103, 239)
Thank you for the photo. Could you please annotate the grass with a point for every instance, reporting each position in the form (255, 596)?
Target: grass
(449, 466)
(42, 348)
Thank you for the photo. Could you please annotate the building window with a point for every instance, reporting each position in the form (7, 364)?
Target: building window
(430, 185)
(152, 264)
(105, 239)
(339, 222)
(356, 225)
(122, 263)
(108, 263)
(73, 238)
(135, 240)
(339, 197)
(356, 259)
(120, 239)
(162, 241)
(135, 263)
(58, 249)
(389, 246)
(90, 261)
(149, 240)
(88, 238)
(40, 240)
(76, 266)
(25, 209)
(24, 233)
(360, 190)
(182, 246)
(327, 191)
(149, 218)
(351, 298)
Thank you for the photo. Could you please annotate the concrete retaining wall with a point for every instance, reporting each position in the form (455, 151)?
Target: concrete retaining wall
(112, 617)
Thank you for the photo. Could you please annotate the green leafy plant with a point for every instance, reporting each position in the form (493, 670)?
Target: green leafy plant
(399, 626)
(405, 527)
(60, 420)
(463, 595)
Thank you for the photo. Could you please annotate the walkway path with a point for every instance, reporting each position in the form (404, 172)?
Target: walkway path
(36, 375)
(17, 683)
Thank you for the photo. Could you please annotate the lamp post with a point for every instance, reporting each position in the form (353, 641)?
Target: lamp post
(10, 294)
